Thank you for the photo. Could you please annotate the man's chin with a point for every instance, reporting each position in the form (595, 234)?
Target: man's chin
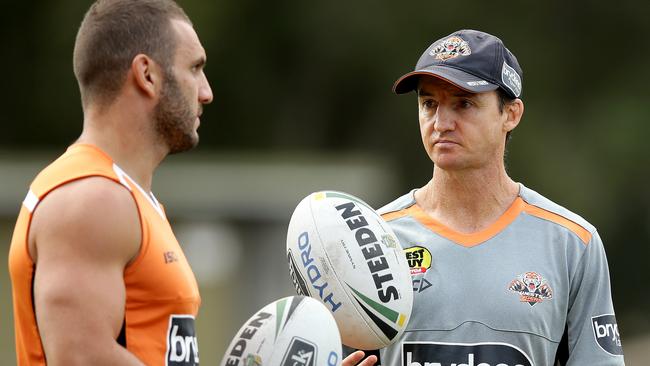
(188, 143)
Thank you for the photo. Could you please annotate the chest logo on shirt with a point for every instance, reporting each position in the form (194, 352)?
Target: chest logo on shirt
(418, 258)
(463, 354)
(531, 287)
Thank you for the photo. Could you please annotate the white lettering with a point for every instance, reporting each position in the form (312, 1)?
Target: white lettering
(177, 340)
(470, 362)
(601, 330)
(409, 361)
(195, 343)
(302, 358)
(182, 348)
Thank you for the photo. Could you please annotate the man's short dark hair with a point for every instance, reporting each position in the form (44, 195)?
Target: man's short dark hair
(112, 33)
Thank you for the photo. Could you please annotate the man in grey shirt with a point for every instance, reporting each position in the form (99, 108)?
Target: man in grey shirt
(502, 276)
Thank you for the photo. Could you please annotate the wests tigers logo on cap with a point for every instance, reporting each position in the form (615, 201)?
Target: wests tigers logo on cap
(450, 48)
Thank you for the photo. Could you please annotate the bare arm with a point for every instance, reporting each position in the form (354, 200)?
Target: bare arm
(82, 237)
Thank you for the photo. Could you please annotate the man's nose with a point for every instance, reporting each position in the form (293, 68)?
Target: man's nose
(205, 92)
(445, 118)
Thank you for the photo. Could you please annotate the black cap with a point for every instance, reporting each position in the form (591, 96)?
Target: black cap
(472, 60)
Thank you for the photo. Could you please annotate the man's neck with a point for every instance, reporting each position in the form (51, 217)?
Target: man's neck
(131, 146)
(468, 201)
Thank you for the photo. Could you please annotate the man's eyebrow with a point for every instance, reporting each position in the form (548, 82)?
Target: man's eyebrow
(422, 93)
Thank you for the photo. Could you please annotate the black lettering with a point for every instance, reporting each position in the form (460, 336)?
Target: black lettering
(248, 333)
(232, 362)
(385, 295)
(348, 210)
(357, 222)
(239, 348)
(372, 252)
(365, 236)
(259, 319)
(377, 264)
(413, 263)
(381, 279)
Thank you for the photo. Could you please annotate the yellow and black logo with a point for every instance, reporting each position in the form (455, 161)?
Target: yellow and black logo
(419, 259)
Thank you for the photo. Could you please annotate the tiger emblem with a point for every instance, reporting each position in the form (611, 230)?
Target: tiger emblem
(450, 48)
(531, 287)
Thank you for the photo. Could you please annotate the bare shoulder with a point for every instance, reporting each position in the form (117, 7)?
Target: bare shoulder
(82, 236)
(94, 217)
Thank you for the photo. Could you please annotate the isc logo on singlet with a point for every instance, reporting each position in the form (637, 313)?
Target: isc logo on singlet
(182, 346)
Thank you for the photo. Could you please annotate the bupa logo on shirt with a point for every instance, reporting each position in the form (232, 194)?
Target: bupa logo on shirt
(606, 334)
(182, 346)
(462, 354)
(300, 353)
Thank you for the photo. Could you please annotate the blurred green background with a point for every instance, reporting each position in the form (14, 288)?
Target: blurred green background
(303, 102)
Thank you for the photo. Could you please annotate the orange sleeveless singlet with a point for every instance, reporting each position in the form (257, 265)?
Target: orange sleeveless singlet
(162, 296)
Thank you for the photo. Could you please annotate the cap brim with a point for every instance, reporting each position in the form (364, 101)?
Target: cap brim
(459, 78)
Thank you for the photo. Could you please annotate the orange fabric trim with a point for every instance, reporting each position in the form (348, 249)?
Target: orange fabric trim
(583, 233)
(466, 240)
(389, 216)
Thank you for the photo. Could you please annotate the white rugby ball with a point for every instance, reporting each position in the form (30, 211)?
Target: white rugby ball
(293, 331)
(343, 253)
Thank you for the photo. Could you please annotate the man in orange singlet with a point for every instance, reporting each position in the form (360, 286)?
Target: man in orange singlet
(98, 277)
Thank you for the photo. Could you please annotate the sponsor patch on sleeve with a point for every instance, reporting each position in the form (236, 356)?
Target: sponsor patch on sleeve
(606, 334)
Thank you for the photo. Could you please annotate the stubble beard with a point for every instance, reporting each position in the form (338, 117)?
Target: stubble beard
(174, 118)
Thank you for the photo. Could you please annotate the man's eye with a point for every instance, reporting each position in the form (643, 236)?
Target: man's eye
(465, 103)
(429, 104)
(197, 67)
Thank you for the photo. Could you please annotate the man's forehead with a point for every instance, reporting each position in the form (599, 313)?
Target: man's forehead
(428, 84)
(187, 37)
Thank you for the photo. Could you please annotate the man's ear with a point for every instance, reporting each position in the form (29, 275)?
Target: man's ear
(513, 112)
(147, 75)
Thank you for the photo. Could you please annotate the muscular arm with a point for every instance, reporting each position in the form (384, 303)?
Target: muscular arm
(81, 238)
